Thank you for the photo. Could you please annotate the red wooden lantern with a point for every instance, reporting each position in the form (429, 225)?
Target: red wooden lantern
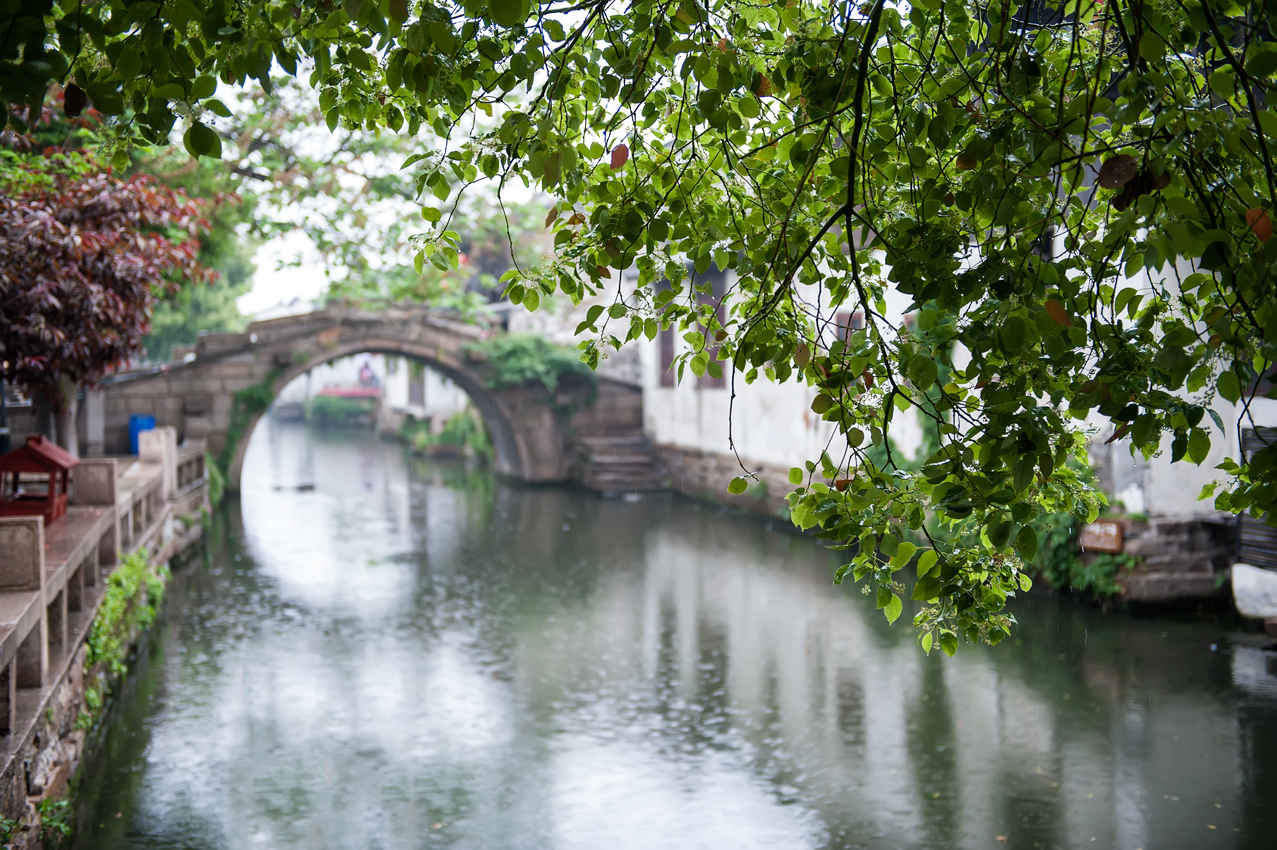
(40, 457)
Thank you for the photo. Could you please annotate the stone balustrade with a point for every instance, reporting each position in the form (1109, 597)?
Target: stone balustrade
(53, 579)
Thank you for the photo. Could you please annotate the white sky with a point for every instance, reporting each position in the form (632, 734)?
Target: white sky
(272, 285)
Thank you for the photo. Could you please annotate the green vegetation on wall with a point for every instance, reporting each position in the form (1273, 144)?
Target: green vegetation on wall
(518, 359)
(216, 481)
(131, 602)
(1060, 562)
(329, 410)
(250, 402)
(464, 430)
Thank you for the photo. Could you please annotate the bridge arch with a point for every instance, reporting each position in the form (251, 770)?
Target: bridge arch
(532, 430)
(509, 450)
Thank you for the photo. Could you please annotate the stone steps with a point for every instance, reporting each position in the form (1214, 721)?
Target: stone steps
(619, 464)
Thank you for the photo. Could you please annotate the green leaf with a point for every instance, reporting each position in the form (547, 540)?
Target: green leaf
(105, 98)
(904, 554)
(1026, 543)
(507, 13)
(1261, 62)
(1222, 82)
(698, 363)
(203, 87)
(1023, 472)
(1229, 386)
(217, 108)
(737, 486)
(938, 132)
(948, 643)
(893, 609)
(202, 140)
(796, 476)
(927, 588)
(1014, 331)
(1026, 583)
(1198, 446)
(1152, 47)
(922, 371)
(927, 561)
(532, 299)
(1219, 423)
(441, 35)
(821, 403)
(926, 643)
(999, 532)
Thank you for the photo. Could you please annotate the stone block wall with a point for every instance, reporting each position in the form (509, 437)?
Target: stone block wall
(705, 475)
(617, 410)
(196, 404)
(1180, 557)
(21, 422)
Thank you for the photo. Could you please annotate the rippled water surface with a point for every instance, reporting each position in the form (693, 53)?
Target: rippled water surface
(412, 655)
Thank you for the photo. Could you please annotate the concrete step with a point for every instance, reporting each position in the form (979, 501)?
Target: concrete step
(620, 464)
(622, 460)
(649, 478)
(624, 484)
(619, 450)
(615, 441)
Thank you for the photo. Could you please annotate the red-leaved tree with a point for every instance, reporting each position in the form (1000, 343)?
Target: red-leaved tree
(83, 258)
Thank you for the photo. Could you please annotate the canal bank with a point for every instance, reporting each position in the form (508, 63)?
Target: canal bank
(380, 652)
(74, 596)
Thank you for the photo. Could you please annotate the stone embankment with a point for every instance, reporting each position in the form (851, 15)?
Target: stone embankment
(1176, 558)
(1179, 557)
(53, 581)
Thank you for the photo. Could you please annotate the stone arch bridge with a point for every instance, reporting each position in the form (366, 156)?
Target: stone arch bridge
(533, 438)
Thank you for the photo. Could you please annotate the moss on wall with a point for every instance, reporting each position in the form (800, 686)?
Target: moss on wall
(248, 403)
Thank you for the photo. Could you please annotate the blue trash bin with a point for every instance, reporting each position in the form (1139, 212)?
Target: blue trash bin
(138, 423)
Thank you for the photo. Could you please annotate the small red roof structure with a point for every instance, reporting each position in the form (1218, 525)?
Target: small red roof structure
(351, 392)
(41, 457)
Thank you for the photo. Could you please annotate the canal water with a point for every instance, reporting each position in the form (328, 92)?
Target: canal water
(378, 652)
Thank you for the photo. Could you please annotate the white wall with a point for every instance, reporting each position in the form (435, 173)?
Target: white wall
(1158, 487)
(442, 398)
(768, 422)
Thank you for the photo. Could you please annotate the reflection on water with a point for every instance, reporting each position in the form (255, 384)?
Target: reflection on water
(415, 656)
